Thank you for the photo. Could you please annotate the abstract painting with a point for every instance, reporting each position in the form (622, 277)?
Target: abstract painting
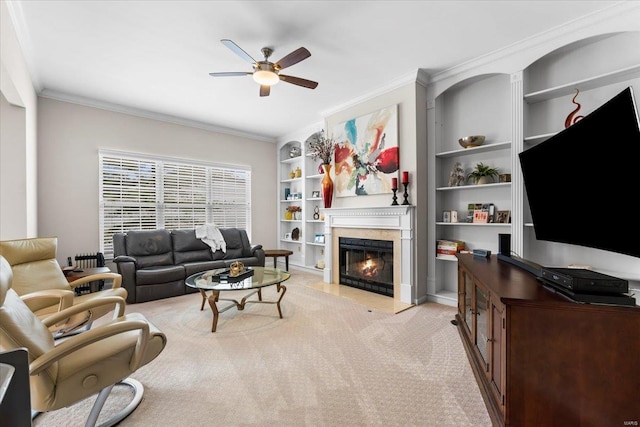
(366, 155)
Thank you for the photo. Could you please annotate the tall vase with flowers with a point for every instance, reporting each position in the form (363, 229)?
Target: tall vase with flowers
(322, 148)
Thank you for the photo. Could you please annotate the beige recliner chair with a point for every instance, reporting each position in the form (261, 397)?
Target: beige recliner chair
(39, 280)
(81, 365)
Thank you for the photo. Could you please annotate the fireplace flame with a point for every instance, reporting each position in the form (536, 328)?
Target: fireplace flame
(370, 268)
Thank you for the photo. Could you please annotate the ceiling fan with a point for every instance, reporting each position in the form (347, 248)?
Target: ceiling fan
(267, 73)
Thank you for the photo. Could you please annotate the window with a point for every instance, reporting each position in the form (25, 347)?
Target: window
(146, 193)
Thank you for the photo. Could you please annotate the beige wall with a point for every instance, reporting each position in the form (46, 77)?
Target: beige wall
(70, 136)
(412, 143)
(18, 166)
(13, 199)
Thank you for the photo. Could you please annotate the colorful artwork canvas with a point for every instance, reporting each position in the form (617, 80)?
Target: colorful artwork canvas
(366, 155)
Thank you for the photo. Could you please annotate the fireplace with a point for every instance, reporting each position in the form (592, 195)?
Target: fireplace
(393, 224)
(366, 264)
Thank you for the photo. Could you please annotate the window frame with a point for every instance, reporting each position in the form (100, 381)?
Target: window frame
(222, 184)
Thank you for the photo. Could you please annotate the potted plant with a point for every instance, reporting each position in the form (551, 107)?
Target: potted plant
(293, 211)
(483, 174)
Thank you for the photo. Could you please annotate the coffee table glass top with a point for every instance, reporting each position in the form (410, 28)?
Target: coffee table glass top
(262, 276)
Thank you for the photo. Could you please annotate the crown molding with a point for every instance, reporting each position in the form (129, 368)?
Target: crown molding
(403, 80)
(301, 134)
(618, 10)
(16, 14)
(87, 102)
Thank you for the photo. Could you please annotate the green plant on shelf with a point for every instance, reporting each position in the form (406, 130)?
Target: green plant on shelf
(482, 173)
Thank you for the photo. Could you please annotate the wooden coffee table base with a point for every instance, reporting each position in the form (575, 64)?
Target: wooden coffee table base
(214, 298)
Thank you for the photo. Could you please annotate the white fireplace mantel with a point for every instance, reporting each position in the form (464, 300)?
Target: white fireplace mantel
(397, 218)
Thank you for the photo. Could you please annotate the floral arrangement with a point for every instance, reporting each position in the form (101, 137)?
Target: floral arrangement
(321, 148)
(294, 209)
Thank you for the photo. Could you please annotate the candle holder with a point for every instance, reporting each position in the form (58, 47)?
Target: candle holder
(406, 195)
(395, 198)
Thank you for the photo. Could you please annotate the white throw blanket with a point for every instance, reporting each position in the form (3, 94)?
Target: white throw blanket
(211, 235)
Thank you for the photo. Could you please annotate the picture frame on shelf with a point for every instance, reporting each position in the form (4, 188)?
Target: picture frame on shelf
(318, 238)
(315, 194)
(480, 216)
(503, 217)
(446, 216)
(287, 236)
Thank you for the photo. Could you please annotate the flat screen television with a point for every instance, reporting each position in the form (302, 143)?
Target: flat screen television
(583, 183)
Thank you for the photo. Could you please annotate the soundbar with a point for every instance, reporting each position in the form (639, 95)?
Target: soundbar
(524, 264)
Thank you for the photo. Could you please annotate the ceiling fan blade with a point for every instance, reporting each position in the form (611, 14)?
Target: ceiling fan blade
(265, 90)
(230, 74)
(241, 53)
(298, 81)
(293, 58)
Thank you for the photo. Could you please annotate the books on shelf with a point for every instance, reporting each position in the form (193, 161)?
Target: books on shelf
(449, 248)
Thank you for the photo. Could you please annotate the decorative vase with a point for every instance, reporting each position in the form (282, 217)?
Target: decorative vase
(298, 172)
(327, 186)
(288, 215)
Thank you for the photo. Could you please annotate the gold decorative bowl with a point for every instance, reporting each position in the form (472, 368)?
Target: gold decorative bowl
(471, 141)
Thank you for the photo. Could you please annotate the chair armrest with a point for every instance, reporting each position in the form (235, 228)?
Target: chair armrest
(86, 306)
(124, 258)
(255, 248)
(115, 277)
(74, 343)
(63, 297)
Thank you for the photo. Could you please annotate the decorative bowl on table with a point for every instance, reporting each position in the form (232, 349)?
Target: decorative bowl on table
(471, 141)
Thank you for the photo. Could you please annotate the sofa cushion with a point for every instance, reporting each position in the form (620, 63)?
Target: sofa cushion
(159, 274)
(237, 241)
(150, 247)
(197, 267)
(188, 248)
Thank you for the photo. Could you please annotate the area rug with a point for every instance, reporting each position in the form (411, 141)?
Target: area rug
(328, 362)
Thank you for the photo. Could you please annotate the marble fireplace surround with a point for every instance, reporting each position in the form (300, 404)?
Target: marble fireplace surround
(394, 223)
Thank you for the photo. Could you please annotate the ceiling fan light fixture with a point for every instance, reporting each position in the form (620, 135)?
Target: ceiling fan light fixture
(266, 77)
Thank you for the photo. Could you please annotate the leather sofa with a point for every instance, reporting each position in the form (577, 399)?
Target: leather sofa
(155, 263)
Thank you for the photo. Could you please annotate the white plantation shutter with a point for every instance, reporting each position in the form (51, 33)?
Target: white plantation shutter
(230, 197)
(185, 195)
(128, 197)
(147, 193)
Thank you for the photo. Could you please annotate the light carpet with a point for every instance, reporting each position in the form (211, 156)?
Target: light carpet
(328, 362)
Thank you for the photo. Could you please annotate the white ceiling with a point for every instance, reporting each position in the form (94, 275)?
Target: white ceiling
(153, 57)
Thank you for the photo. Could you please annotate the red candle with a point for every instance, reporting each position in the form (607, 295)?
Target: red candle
(394, 183)
(405, 177)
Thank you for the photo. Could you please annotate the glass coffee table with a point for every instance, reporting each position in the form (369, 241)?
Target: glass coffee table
(262, 277)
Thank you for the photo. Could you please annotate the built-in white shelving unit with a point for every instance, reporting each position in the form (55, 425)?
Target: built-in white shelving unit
(515, 111)
(306, 252)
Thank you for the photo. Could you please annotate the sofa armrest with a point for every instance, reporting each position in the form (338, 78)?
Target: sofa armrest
(127, 269)
(258, 252)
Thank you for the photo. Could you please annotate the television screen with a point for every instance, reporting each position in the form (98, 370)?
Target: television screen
(583, 183)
